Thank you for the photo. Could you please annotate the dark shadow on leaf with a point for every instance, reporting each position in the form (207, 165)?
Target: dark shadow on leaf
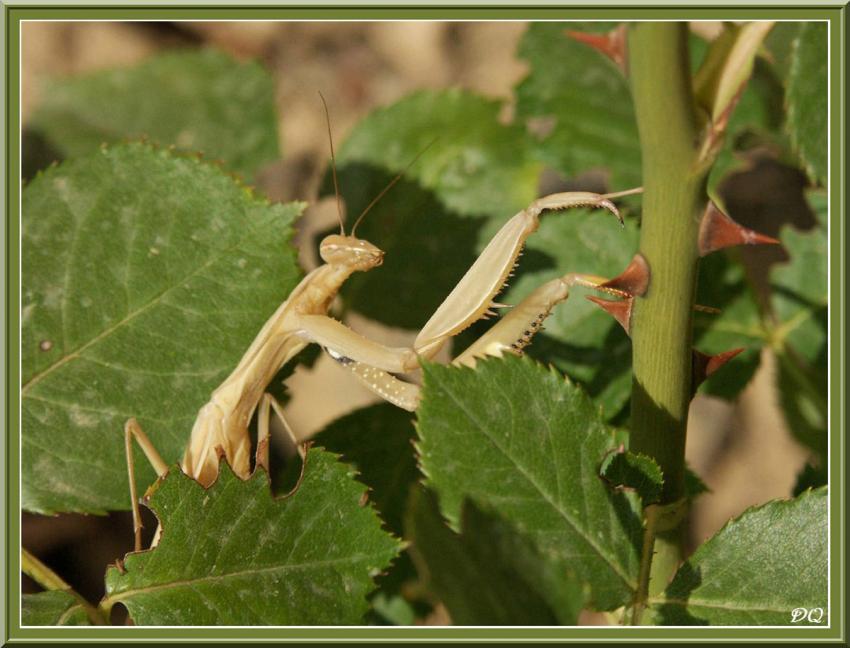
(378, 442)
(679, 592)
(628, 514)
(489, 574)
(37, 153)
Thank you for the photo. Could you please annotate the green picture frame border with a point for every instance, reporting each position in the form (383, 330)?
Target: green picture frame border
(15, 12)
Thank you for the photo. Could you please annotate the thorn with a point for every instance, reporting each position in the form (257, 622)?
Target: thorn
(611, 44)
(704, 365)
(717, 231)
(620, 310)
(634, 280)
(498, 305)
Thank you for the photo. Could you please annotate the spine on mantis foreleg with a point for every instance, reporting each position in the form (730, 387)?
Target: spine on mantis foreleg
(473, 296)
(515, 330)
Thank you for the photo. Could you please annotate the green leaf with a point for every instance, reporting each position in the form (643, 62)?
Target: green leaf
(487, 574)
(723, 284)
(779, 46)
(800, 304)
(796, 329)
(579, 104)
(234, 555)
(378, 442)
(195, 100)
(393, 610)
(756, 570)
(519, 440)
(52, 608)
(636, 472)
(800, 286)
(475, 166)
(145, 278)
(807, 98)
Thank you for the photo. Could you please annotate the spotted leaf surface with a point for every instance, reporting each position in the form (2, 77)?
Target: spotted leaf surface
(145, 277)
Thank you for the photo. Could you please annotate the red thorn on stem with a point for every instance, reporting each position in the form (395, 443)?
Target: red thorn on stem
(704, 365)
(611, 44)
(634, 280)
(619, 310)
(718, 231)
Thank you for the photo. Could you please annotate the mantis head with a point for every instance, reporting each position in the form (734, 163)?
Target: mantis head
(338, 249)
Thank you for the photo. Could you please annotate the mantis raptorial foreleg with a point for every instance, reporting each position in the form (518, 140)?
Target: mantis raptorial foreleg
(470, 300)
(510, 334)
(473, 296)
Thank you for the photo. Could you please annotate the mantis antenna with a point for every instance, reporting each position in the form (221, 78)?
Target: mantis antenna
(333, 165)
(392, 182)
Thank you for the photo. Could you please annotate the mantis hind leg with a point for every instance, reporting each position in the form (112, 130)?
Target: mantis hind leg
(132, 430)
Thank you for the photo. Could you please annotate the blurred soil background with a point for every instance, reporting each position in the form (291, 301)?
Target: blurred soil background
(743, 451)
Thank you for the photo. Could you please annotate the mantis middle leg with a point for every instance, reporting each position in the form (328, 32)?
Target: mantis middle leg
(132, 430)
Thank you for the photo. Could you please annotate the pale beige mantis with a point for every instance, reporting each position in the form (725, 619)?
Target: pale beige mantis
(221, 427)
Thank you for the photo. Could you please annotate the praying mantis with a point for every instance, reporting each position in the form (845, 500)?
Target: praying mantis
(221, 427)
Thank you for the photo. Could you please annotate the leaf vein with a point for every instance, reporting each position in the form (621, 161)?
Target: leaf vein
(543, 492)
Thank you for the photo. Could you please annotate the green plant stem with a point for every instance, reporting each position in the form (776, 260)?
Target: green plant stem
(642, 592)
(41, 573)
(674, 198)
(50, 580)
